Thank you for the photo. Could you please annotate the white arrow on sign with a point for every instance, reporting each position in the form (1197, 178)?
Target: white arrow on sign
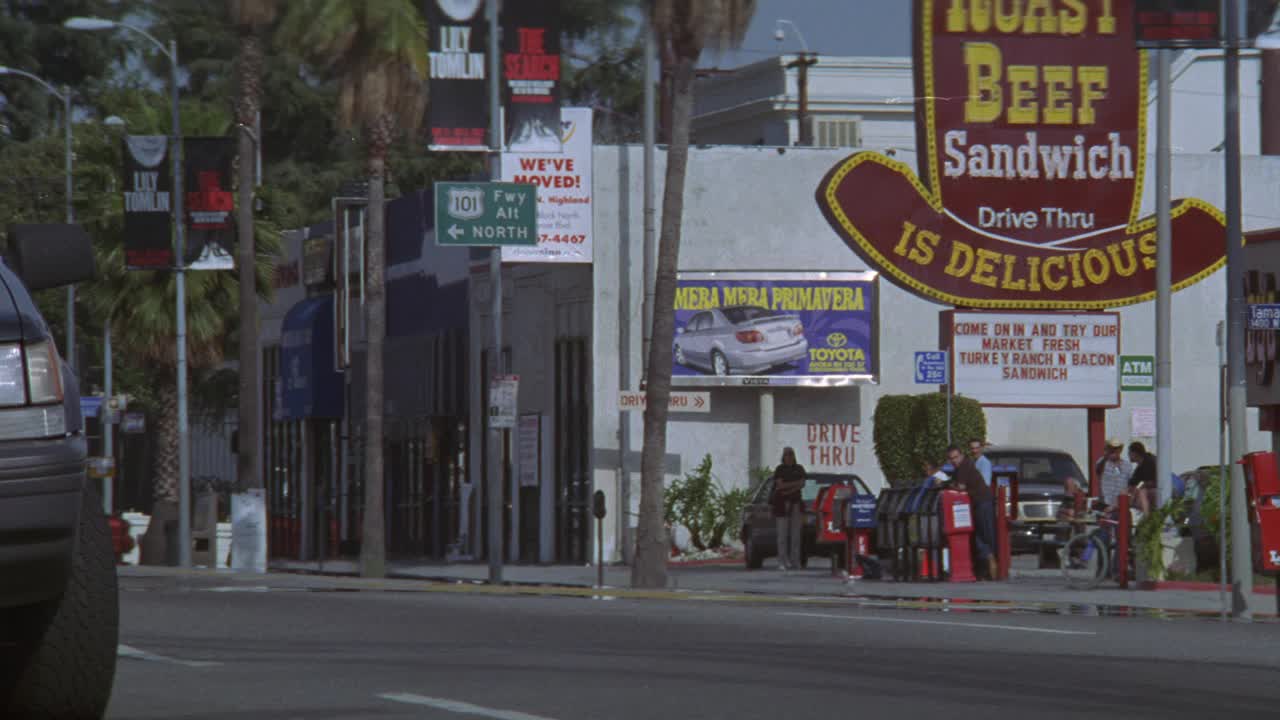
(699, 402)
(455, 231)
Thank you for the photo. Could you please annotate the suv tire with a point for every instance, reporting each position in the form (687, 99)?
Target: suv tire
(65, 657)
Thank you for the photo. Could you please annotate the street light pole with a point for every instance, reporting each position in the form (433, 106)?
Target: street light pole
(71, 218)
(180, 289)
(180, 281)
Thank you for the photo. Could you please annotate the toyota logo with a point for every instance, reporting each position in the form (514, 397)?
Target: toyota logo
(837, 340)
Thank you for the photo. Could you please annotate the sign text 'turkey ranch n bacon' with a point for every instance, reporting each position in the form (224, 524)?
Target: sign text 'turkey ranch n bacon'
(1031, 133)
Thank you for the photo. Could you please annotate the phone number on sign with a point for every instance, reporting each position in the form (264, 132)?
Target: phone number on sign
(571, 239)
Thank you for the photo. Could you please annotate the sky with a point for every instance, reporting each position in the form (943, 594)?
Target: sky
(829, 27)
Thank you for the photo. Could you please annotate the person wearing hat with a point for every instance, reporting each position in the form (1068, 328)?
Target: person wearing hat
(1113, 472)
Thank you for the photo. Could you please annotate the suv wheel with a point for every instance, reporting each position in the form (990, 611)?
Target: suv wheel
(753, 555)
(64, 661)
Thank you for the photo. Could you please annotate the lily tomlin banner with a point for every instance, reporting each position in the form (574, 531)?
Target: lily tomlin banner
(776, 328)
(148, 203)
(458, 114)
(1031, 131)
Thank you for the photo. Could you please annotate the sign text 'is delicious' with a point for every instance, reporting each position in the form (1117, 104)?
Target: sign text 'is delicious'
(1031, 129)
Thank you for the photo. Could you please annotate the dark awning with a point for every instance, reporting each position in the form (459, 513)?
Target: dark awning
(311, 387)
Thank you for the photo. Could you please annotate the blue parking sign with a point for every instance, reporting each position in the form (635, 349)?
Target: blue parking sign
(931, 367)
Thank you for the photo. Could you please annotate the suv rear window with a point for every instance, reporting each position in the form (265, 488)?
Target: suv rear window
(1039, 468)
(739, 315)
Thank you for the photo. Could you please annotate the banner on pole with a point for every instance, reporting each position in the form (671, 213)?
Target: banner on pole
(531, 75)
(210, 203)
(148, 198)
(458, 114)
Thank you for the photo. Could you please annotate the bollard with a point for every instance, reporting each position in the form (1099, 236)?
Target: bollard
(1003, 550)
(1122, 540)
(598, 510)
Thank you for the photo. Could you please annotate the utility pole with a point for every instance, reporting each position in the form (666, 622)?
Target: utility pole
(802, 63)
(1164, 284)
(494, 486)
(1241, 543)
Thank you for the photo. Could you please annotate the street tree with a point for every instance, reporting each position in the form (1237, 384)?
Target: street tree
(378, 50)
(682, 28)
(252, 19)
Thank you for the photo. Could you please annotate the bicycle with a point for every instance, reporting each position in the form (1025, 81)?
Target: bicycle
(1088, 557)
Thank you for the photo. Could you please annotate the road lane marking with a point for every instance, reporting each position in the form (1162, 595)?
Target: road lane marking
(984, 626)
(133, 653)
(457, 706)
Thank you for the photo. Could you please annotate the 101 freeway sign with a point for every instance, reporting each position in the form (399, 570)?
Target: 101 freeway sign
(486, 213)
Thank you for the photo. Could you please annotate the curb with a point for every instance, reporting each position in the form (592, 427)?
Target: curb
(1157, 585)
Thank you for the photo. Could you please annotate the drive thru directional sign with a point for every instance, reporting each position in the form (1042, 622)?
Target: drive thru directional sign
(931, 367)
(486, 213)
(699, 402)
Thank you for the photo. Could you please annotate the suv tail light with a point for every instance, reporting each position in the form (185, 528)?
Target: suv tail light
(749, 336)
(798, 330)
(31, 391)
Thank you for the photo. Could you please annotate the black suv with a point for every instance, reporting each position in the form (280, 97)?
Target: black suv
(58, 598)
(1041, 473)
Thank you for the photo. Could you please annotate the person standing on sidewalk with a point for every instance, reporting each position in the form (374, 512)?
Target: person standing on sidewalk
(788, 508)
(976, 448)
(981, 500)
(1142, 483)
(1113, 472)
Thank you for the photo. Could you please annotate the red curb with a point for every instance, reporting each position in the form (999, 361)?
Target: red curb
(1192, 585)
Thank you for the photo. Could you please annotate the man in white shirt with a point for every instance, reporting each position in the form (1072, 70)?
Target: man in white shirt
(1113, 472)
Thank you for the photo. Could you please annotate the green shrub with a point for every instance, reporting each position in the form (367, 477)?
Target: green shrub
(892, 438)
(1147, 535)
(929, 425)
(703, 507)
(912, 428)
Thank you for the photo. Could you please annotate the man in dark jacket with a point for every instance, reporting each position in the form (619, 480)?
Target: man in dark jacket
(968, 479)
(1142, 483)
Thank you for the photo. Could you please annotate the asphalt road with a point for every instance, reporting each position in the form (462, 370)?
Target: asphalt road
(192, 649)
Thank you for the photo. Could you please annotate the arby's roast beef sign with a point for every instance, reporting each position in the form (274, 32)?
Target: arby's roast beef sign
(1031, 138)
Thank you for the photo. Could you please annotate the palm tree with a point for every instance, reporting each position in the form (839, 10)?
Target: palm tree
(379, 52)
(682, 29)
(140, 307)
(251, 18)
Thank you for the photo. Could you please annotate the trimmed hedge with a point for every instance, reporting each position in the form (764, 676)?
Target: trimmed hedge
(911, 428)
(892, 437)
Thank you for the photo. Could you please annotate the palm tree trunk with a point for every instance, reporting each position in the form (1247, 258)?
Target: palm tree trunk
(247, 110)
(650, 569)
(154, 547)
(373, 546)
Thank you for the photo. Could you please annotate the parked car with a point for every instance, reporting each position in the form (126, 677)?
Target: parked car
(740, 340)
(58, 599)
(1041, 472)
(759, 534)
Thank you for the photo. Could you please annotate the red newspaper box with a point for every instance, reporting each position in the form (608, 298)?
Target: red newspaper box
(1263, 480)
(957, 525)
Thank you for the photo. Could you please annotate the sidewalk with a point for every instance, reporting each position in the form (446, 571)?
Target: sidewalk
(1028, 589)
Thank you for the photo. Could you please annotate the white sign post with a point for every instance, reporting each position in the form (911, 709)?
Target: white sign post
(1037, 359)
(502, 401)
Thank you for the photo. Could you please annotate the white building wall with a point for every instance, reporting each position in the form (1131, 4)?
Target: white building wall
(754, 209)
